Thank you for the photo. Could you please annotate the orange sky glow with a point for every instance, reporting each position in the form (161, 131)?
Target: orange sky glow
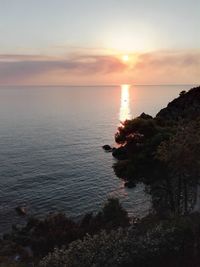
(96, 42)
(164, 67)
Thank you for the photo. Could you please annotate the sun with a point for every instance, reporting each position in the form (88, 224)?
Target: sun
(125, 58)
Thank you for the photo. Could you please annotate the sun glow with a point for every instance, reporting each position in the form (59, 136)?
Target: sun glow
(125, 58)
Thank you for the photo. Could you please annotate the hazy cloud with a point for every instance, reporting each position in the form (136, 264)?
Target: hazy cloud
(168, 59)
(156, 67)
(21, 66)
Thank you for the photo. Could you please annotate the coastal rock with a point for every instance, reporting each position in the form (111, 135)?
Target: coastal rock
(107, 148)
(120, 153)
(22, 211)
(130, 184)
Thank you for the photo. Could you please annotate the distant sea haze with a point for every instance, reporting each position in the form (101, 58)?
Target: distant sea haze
(51, 147)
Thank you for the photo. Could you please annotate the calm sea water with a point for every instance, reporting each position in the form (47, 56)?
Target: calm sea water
(50, 147)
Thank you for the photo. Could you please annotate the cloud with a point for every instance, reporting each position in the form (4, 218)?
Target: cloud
(168, 59)
(167, 67)
(155, 67)
(16, 67)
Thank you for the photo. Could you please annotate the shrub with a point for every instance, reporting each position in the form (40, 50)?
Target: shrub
(166, 244)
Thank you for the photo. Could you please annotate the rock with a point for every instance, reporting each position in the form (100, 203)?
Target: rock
(130, 184)
(22, 211)
(145, 116)
(17, 258)
(120, 153)
(107, 148)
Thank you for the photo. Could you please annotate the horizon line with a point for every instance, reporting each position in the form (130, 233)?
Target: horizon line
(96, 85)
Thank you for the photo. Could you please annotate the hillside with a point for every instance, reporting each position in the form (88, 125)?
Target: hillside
(186, 106)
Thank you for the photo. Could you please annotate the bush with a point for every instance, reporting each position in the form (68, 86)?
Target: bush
(57, 230)
(167, 244)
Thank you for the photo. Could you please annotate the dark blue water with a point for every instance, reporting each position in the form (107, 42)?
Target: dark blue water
(50, 147)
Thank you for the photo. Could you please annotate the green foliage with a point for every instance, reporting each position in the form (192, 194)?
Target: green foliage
(180, 154)
(140, 138)
(164, 152)
(113, 214)
(133, 131)
(168, 243)
(185, 107)
(56, 230)
(42, 235)
(12, 264)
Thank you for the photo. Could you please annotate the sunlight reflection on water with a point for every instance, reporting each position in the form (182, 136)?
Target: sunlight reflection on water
(125, 111)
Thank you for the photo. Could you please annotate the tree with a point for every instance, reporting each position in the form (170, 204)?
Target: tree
(181, 155)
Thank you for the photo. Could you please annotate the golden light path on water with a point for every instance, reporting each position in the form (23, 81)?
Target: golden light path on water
(125, 112)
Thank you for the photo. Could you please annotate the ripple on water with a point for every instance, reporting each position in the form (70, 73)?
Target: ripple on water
(51, 156)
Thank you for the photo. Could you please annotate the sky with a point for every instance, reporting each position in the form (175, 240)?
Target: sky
(93, 42)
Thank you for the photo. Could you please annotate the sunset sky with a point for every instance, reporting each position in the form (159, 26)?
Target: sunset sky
(93, 42)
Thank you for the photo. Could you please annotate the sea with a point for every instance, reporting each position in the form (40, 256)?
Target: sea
(51, 156)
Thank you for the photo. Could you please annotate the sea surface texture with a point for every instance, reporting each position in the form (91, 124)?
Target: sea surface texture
(51, 156)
